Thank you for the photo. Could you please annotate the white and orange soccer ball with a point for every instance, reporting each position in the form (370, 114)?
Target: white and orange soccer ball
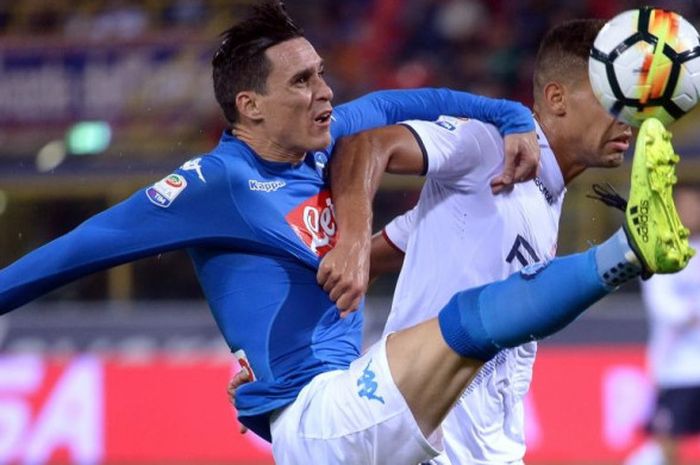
(646, 63)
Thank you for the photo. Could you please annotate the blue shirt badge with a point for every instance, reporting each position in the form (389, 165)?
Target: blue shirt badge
(321, 160)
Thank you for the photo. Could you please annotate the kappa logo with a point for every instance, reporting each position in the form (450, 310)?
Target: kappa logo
(266, 186)
(164, 192)
(314, 223)
(196, 166)
(368, 386)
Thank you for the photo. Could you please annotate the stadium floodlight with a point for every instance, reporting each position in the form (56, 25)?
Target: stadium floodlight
(50, 156)
(88, 138)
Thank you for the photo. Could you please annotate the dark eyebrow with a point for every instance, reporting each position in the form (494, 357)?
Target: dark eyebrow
(307, 73)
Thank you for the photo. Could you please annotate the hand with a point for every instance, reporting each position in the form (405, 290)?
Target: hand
(344, 274)
(239, 379)
(522, 161)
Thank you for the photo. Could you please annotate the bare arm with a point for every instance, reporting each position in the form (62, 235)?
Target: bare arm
(356, 170)
(385, 257)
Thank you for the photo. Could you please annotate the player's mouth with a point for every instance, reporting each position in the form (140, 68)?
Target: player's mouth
(622, 142)
(323, 119)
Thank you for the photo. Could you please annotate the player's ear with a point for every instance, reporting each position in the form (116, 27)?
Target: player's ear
(248, 105)
(555, 97)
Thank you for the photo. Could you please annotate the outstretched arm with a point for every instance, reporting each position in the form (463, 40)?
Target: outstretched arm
(153, 220)
(386, 107)
(113, 237)
(513, 120)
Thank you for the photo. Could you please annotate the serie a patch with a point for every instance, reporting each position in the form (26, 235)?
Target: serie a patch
(450, 122)
(164, 192)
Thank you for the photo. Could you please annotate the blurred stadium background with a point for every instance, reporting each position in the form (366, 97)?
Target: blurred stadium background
(99, 98)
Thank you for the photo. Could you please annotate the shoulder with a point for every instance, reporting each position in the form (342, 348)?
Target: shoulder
(455, 127)
(228, 162)
(207, 168)
(454, 135)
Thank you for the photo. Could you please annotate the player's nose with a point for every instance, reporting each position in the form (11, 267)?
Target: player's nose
(626, 128)
(324, 91)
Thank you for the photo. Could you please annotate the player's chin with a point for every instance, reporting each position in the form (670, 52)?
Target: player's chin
(319, 141)
(614, 159)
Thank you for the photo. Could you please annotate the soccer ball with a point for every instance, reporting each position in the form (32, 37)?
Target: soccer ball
(646, 63)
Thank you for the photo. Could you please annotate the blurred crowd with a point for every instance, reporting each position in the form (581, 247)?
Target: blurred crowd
(102, 20)
(143, 66)
(482, 45)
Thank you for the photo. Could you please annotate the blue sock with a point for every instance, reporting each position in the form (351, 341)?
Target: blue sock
(532, 304)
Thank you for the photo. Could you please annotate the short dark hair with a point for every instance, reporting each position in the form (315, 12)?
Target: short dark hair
(240, 62)
(564, 52)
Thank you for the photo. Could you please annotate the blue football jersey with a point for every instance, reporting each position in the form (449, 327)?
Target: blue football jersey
(256, 231)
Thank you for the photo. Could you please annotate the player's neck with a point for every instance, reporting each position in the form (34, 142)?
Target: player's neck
(566, 159)
(267, 148)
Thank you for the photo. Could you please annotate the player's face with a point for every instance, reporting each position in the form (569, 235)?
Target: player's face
(601, 140)
(296, 108)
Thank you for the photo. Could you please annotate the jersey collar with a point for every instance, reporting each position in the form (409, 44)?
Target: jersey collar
(550, 172)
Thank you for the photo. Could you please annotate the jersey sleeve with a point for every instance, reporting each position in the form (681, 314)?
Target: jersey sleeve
(184, 209)
(458, 152)
(398, 230)
(387, 107)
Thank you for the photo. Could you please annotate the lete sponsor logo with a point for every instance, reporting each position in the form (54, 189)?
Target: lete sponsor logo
(314, 223)
(165, 191)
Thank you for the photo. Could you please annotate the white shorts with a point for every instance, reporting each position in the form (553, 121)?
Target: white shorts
(487, 425)
(354, 416)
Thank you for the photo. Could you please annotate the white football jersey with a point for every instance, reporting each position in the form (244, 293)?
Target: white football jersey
(459, 236)
(673, 303)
